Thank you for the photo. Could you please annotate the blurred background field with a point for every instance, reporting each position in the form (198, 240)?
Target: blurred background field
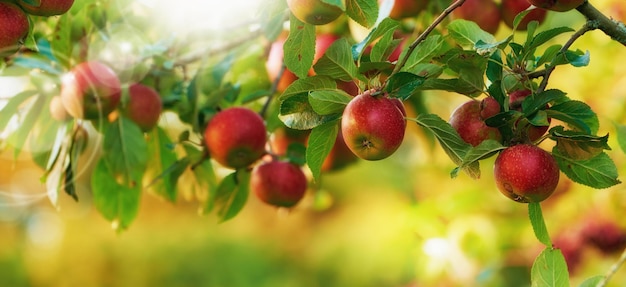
(398, 222)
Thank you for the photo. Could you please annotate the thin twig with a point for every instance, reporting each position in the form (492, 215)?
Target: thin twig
(425, 34)
(613, 270)
(586, 28)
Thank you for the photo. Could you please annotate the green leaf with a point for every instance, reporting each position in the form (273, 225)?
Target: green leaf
(337, 62)
(326, 102)
(62, 45)
(37, 61)
(545, 36)
(297, 113)
(376, 32)
(164, 163)
(384, 47)
(364, 12)
(12, 107)
(403, 84)
(299, 48)
(574, 58)
(117, 202)
(26, 125)
(321, 141)
(597, 172)
(232, 194)
(450, 141)
(494, 68)
(593, 281)
(431, 47)
(470, 67)
(549, 54)
(468, 33)
(577, 114)
(125, 151)
(549, 269)
(577, 145)
(539, 224)
(485, 149)
(305, 85)
(450, 85)
(533, 103)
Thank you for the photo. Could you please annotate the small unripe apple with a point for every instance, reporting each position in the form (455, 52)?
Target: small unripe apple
(236, 137)
(406, 8)
(510, 9)
(278, 183)
(526, 173)
(143, 107)
(557, 5)
(91, 90)
(373, 126)
(467, 121)
(57, 110)
(47, 7)
(515, 103)
(315, 12)
(485, 13)
(14, 28)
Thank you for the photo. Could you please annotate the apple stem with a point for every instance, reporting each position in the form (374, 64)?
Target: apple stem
(613, 270)
(586, 28)
(611, 27)
(425, 34)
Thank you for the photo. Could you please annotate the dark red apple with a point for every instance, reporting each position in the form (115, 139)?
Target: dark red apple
(406, 8)
(315, 12)
(515, 103)
(91, 90)
(278, 183)
(143, 107)
(485, 13)
(340, 155)
(236, 137)
(57, 110)
(526, 173)
(467, 121)
(489, 107)
(373, 126)
(14, 28)
(47, 7)
(510, 9)
(557, 5)
(605, 235)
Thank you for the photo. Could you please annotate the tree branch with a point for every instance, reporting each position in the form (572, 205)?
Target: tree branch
(611, 27)
(613, 270)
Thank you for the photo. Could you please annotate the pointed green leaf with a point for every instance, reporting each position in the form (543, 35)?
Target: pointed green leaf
(164, 164)
(321, 141)
(364, 12)
(26, 125)
(577, 114)
(125, 151)
(402, 85)
(232, 194)
(597, 172)
(593, 281)
(299, 48)
(549, 269)
(297, 113)
(326, 102)
(468, 33)
(578, 145)
(376, 32)
(545, 36)
(308, 84)
(337, 62)
(485, 149)
(539, 224)
(431, 47)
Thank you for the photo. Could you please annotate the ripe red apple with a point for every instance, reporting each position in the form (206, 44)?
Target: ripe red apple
(315, 12)
(14, 28)
(510, 9)
(489, 107)
(485, 13)
(278, 183)
(47, 7)
(274, 63)
(91, 90)
(604, 234)
(283, 136)
(236, 137)
(373, 126)
(340, 155)
(526, 173)
(57, 110)
(557, 5)
(515, 103)
(467, 121)
(406, 8)
(143, 107)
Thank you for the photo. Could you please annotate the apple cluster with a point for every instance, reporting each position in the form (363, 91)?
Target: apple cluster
(92, 91)
(15, 23)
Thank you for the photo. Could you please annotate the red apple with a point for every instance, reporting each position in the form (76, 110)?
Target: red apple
(557, 5)
(489, 107)
(526, 173)
(373, 126)
(47, 7)
(467, 121)
(510, 9)
(282, 137)
(406, 8)
(604, 234)
(274, 64)
(143, 107)
(278, 183)
(91, 90)
(14, 28)
(485, 13)
(340, 155)
(515, 103)
(315, 12)
(236, 137)
(57, 110)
